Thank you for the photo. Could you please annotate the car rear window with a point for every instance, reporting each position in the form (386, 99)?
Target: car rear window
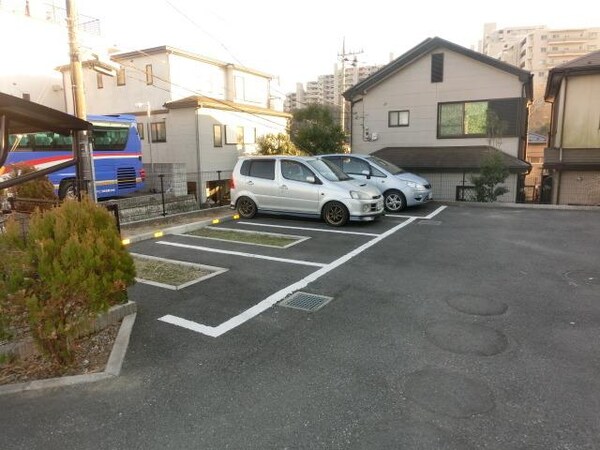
(262, 169)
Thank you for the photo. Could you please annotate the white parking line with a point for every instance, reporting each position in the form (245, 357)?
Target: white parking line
(245, 255)
(257, 309)
(428, 217)
(257, 224)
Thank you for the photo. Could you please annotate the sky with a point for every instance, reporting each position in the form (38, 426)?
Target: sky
(297, 41)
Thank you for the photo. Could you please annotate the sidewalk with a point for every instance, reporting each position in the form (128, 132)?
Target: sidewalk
(146, 229)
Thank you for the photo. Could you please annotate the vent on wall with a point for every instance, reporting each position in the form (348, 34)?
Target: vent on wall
(437, 67)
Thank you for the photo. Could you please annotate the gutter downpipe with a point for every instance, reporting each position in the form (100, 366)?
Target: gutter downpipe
(199, 177)
(562, 136)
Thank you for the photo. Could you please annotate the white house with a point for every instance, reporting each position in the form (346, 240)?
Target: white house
(437, 110)
(191, 109)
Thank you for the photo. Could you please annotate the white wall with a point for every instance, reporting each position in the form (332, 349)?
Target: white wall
(201, 154)
(32, 48)
(411, 89)
(193, 77)
(131, 97)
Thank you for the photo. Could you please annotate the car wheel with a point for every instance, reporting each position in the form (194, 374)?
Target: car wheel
(335, 214)
(67, 190)
(394, 201)
(246, 207)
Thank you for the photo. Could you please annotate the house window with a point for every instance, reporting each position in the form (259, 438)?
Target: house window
(543, 49)
(230, 135)
(398, 118)
(544, 37)
(158, 131)
(217, 135)
(99, 81)
(239, 132)
(121, 77)
(149, 76)
(479, 119)
(140, 130)
(437, 67)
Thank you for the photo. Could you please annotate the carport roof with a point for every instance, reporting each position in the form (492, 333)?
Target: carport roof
(25, 116)
(446, 158)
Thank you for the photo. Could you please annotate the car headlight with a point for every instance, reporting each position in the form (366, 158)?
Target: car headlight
(416, 186)
(359, 195)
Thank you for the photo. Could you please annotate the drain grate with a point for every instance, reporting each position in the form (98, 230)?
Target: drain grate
(306, 301)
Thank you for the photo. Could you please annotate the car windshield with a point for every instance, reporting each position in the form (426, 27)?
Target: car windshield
(391, 168)
(328, 170)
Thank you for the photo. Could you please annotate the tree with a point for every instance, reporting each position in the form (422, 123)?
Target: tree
(493, 172)
(276, 144)
(314, 130)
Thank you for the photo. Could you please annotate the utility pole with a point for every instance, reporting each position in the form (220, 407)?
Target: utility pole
(85, 164)
(343, 58)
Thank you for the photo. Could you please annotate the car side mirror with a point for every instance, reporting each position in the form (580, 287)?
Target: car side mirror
(310, 179)
(366, 173)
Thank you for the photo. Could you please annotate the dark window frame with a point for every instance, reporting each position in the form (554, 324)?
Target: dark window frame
(493, 105)
(437, 67)
(149, 75)
(398, 124)
(121, 77)
(140, 130)
(155, 131)
(99, 81)
(217, 140)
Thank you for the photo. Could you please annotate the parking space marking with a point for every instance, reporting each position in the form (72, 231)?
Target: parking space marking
(245, 255)
(271, 300)
(427, 217)
(258, 224)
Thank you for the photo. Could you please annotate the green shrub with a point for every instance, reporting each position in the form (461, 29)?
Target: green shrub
(75, 267)
(493, 172)
(39, 188)
(14, 276)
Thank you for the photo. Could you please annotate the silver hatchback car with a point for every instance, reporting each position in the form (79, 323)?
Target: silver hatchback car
(302, 186)
(399, 188)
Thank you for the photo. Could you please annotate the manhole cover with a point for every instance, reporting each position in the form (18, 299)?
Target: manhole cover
(306, 301)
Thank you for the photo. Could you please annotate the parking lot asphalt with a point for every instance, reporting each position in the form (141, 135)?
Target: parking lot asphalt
(473, 328)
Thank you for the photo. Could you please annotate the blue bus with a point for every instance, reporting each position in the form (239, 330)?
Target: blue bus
(117, 150)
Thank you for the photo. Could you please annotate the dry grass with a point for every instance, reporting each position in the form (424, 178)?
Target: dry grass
(167, 272)
(248, 238)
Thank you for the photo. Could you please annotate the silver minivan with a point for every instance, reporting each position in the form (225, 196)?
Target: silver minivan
(302, 186)
(399, 188)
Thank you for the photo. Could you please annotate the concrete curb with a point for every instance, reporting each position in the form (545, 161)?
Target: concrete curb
(179, 229)
(520, 206)
(112, 369)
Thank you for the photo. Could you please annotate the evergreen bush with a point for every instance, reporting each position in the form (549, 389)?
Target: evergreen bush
(493, 172)
(74, 268)
(39, 188)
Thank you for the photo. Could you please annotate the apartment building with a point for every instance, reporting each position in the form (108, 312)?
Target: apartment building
(537, 49)
(328, 89)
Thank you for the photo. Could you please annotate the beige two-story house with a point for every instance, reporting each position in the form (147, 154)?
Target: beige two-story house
(438, 110)
(573, 154)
